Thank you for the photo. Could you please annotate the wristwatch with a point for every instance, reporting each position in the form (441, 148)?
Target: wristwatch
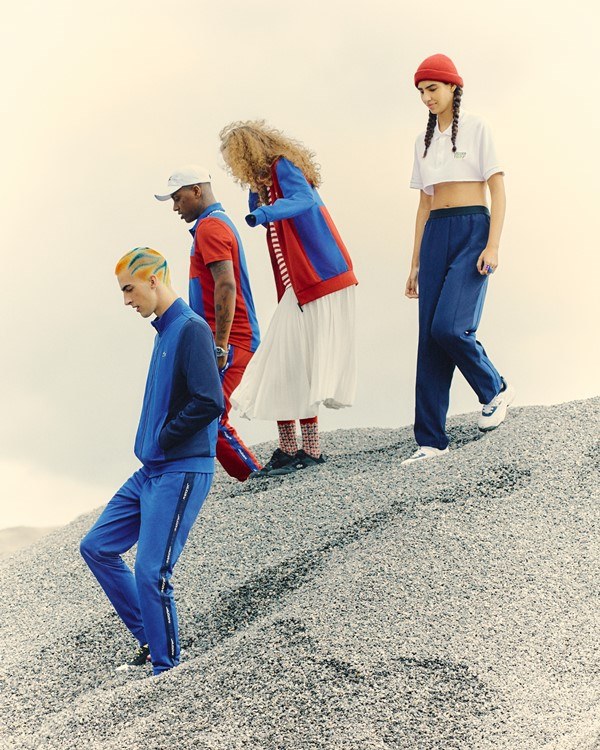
(220, 352)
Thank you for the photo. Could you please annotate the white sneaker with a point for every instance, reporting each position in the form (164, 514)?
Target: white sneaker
(423, 452)
(493, 414)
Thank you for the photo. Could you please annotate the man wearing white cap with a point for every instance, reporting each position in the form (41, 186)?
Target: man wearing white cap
(220, 293)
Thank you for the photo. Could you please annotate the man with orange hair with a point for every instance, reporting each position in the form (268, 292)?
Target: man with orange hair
(175, 442)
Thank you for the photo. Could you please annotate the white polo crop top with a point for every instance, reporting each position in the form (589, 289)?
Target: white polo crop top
(474, 160)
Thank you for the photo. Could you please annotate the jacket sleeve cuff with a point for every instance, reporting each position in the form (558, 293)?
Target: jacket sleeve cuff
(256, 217)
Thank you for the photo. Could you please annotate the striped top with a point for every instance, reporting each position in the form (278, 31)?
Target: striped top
(276, 246)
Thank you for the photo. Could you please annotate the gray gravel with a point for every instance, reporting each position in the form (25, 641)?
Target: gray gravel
(451, 604)
(18, 537)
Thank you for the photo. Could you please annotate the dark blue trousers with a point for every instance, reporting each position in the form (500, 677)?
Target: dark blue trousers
(451, 296)
(157, 513)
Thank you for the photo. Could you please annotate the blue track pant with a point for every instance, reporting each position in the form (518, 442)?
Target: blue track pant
(451, 296)
(157, 513)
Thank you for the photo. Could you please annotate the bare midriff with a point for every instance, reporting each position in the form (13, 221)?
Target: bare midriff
(453, 194)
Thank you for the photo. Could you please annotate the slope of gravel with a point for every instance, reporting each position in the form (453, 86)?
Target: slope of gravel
(451, 604)
(18, 537)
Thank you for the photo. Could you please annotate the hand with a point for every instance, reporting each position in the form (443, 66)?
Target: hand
(487, 262)
(221, 361)
(412, 284)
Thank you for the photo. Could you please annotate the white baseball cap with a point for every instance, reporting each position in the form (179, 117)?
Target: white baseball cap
(191, 174)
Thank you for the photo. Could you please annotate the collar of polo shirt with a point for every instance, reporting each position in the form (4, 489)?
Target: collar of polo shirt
(437, 133)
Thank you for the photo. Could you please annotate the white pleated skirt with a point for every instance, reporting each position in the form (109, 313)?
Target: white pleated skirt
(307, 358)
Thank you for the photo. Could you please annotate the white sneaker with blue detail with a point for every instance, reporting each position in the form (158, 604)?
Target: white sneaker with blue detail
(423, 452)
(493, 414)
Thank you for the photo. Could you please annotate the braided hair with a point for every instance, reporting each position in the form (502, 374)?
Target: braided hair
(432, 121)
(455, 114)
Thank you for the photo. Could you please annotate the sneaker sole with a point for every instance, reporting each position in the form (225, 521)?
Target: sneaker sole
(285, 473)
(127, 667)
(409, 461)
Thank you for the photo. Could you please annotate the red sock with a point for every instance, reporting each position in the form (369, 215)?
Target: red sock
(287, 437)
(310, 437)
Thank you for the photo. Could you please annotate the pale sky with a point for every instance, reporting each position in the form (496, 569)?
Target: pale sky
(103, 101)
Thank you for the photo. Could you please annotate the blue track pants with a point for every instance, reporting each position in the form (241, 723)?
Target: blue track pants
(451, 296)
(157, 513)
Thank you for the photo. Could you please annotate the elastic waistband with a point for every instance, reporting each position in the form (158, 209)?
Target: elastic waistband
(442, 213)
(193, 464)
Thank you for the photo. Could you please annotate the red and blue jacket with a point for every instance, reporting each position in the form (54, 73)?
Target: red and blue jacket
(183, 399)
(317, 260)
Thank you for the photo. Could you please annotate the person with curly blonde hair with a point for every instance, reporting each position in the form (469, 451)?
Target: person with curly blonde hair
(308, 354)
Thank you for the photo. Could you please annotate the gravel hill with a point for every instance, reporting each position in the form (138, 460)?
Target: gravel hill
(17, 537)
(452, 604)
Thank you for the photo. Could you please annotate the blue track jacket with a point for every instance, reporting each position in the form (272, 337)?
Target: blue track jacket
(183, 399)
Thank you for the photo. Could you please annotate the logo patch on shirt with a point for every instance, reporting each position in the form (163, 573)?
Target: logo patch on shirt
(164, 354)
(460, 154)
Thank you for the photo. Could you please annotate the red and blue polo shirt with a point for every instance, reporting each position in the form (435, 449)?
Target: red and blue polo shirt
(217, 239)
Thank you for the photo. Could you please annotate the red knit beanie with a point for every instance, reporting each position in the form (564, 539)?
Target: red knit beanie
(438, 68)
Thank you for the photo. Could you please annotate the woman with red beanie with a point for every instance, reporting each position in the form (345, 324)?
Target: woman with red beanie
(455, 251)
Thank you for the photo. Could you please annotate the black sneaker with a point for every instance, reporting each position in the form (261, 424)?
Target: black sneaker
(278, 460)
(301, 460)
(141, 657)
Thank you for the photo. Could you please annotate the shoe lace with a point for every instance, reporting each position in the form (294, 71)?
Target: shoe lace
(274, 458)
(142, 653)
(489, 408)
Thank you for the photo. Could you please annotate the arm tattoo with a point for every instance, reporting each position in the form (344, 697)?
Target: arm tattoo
(225, 294)
(221, 268)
